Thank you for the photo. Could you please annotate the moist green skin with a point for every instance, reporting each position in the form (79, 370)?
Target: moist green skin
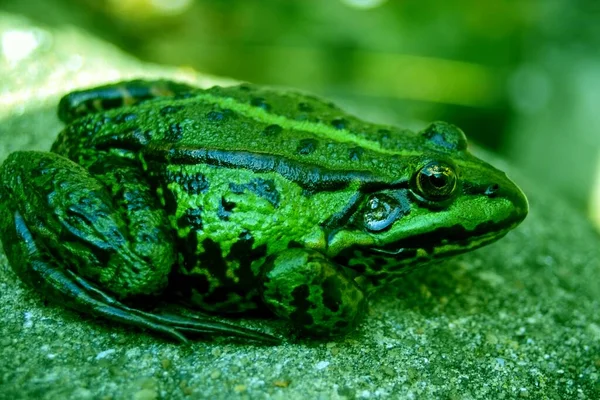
(238, 198)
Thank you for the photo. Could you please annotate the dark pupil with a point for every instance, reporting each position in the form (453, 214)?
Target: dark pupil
(438, 180)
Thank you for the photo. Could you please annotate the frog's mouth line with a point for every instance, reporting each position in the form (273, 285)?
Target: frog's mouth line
(445, 241)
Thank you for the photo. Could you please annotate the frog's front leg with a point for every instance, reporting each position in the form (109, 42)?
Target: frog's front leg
(70, 237)
(312, 292)
(79, 103)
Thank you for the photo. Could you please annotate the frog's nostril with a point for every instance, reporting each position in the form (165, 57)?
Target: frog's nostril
(492, 190)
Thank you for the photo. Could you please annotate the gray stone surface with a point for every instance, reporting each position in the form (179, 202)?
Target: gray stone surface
(517, 319)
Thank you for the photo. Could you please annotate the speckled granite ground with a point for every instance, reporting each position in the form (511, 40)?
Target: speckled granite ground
(518, 319)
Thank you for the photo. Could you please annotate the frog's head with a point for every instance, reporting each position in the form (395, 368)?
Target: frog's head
(445, 202)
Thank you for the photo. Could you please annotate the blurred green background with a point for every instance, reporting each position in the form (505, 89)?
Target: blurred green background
(521, 77)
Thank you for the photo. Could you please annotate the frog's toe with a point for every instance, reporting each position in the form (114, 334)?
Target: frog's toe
(313, 293)
(175, 326)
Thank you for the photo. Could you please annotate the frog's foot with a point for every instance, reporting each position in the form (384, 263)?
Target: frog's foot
(79, 294)
(313, 293)
(175, 326)
(83, 102)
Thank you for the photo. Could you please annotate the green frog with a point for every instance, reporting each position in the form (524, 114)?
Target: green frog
(238, 200)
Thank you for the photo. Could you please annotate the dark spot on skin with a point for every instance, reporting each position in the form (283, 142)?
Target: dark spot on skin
(192, 218)
(175, 132)
(189, 250)
(215, 116)
(183, 284)
(301, 306)
(339, 123)
(225, 209)
(305, 107)
(360, 268)
(332, 293)
(377, 265)
(264, 188)
(183, 95)
(192, 184)
(272, 130)
(212, 260)
(111, 102)
(170, 110)
(355, 153)
(244, 87)
(307, 146)
(260, 103)
(170, 201)
(132, 139)
(242, 252)
(295, 245)
(125, 117)
(341, 324)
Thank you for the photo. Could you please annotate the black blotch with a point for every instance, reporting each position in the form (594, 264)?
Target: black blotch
(307, 146)
(264, 188)
(339, 123)
(243, 252)
(212, 259)
(111, 102)
(183, 95)
(377, 264)
(305, 107)
(272, 130)
(360, 268)
(170, 110)
(260, 103)
(182, 284)
(342, 324)
(355, 153)
(215, 116)
(301, 305)
(244, 87)
(295, 245)
(189, 249)
(175, 132)
(192, 218)
(220, 116)
(97, 124)
(332, 293)
(125, 117)
(170, 201)
(225, 209)
(192, 184)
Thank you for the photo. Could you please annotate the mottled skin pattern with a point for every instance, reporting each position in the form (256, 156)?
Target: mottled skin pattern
(237, 198)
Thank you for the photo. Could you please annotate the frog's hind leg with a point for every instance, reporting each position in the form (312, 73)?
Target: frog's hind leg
(79, 103)
(77, 293)
(59, 228)
(313, 293)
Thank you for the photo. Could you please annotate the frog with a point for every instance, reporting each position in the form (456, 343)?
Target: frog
(235, 200)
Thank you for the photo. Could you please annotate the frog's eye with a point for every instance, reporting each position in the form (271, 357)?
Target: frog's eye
(436, 181)
(380, 212)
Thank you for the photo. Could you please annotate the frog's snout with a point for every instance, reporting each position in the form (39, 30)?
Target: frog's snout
(507, 189)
